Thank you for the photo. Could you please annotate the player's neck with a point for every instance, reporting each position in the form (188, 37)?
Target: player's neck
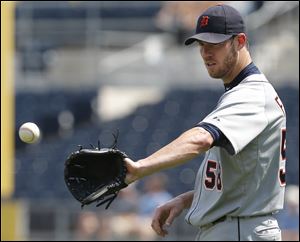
(243, 60)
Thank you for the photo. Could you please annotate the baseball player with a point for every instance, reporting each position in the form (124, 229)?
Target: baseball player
(241, 181)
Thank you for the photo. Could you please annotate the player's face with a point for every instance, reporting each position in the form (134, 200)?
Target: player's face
(219, 59)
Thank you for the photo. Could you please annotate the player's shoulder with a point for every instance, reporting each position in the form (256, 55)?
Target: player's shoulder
(258, 83)
(255, 84)
(252, 90)
(255, 81)
(251, 83)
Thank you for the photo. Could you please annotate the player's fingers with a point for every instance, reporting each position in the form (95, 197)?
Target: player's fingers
(157, 227)
(170, 218)
(157, 223)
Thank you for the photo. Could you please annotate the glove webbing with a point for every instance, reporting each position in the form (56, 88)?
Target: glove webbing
(111, 199)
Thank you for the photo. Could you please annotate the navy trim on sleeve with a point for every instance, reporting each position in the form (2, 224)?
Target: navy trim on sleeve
(220, 139)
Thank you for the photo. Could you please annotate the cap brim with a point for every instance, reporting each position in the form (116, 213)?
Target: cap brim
(213, 38)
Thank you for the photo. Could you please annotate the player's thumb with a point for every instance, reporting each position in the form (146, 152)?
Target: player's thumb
(170, 219)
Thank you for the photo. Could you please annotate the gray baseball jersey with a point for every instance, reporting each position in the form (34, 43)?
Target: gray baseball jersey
(251, 180)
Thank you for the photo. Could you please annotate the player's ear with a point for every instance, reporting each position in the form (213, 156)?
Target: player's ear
(242, 39)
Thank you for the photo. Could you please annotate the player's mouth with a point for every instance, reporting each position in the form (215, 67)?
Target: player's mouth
(210, 64)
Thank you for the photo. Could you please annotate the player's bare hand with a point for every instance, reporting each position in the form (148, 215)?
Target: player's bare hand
(165, 214)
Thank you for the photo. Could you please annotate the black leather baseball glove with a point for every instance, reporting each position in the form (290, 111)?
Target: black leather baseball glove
(95, 175)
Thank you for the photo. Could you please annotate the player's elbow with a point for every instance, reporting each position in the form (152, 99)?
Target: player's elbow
(202, 139)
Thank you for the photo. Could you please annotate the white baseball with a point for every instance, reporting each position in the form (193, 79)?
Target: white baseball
(29, 132)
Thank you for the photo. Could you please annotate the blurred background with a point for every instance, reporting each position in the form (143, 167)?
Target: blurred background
(81, 70)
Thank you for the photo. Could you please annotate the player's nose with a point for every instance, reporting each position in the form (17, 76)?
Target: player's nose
(206, 53)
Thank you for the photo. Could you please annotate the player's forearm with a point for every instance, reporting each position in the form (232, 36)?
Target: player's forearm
(186, 147)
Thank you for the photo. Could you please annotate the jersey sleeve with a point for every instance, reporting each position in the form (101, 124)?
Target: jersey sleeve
(240, 115)
(219, 138)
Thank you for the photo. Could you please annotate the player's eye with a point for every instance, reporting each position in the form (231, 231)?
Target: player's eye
(200, 43)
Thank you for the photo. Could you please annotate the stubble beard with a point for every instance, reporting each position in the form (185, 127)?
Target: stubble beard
(228, 64)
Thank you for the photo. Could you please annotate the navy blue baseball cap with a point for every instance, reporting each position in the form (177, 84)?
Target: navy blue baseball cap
(217, 24)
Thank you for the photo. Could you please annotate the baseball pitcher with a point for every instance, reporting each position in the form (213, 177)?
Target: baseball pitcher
(241, 181)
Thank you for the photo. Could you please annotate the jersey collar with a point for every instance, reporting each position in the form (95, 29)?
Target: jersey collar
(247, 71)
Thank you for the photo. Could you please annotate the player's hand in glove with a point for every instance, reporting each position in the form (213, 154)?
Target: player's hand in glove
(132, 170)
(95, 174)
